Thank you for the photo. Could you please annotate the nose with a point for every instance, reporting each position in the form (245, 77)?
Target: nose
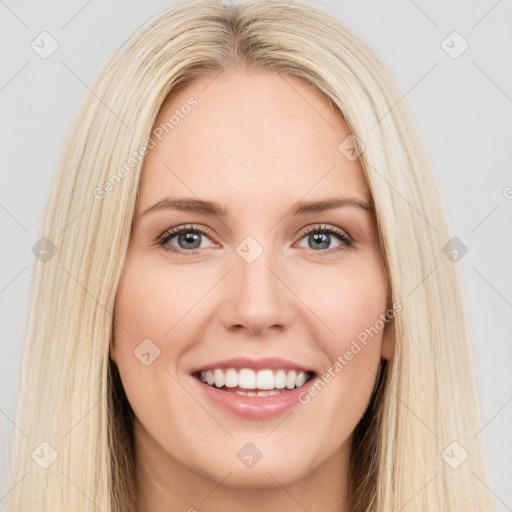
(256, 298)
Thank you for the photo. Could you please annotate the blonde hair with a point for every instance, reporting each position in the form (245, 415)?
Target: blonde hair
(70, 394)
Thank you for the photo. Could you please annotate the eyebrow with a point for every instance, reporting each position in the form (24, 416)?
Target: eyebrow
(213, 208)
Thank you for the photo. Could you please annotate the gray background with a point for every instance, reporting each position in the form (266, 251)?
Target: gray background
(462, 106)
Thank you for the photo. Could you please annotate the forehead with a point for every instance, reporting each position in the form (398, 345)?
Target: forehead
(249, 136)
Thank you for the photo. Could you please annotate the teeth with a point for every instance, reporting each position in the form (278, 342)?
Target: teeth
(210, 378)
(246, 379)
(280, 379)
(290, 379)
(219, 378)
(301, 379)
(271, 392)
(231, 378)
(264, 381)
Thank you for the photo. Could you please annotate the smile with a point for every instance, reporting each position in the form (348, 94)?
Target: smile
(253, 389)
(248, 382)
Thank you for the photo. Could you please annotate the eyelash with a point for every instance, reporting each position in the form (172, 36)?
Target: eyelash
(347, 242)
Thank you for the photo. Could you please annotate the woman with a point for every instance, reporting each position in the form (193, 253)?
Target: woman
(190, 346)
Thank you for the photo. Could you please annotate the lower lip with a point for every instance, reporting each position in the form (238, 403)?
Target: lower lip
(254, 407)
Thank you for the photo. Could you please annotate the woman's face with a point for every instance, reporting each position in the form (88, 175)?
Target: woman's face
(251, 283)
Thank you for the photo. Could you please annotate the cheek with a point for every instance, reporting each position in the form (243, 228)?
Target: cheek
(147, 307)
(353, 306)
(349, 301)
(152, 294)
(151, 337)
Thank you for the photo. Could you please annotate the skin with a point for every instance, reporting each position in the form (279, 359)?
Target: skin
(256, 145)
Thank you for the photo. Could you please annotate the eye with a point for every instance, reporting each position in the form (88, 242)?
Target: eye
(188, 238)
(320, 237)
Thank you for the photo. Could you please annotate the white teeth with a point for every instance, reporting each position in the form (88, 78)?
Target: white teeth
(264, 381)
(280, 379)
(246, 379)
(231, 378)
(219, 378)
(290, 379)
(271, 392)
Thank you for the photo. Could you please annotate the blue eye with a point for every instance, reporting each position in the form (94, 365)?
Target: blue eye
(189, 239)
(321, 235)
(189, 236)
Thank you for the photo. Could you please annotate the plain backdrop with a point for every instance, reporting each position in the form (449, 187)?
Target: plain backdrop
(462, 105)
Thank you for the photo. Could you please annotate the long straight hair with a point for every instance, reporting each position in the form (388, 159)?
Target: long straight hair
(73, 450)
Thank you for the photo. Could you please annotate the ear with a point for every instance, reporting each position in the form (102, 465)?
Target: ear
(388, 341)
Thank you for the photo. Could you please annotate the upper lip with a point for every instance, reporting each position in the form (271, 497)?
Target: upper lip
(255, 364)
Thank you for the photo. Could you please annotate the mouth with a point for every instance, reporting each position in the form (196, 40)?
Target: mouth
(253, 389)
(255, 383)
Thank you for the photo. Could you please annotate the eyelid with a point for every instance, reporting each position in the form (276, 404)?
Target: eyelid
(325, 227)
